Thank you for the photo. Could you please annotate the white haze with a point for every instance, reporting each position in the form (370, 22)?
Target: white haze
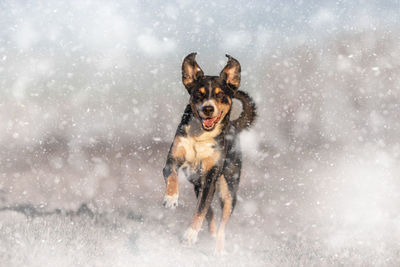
(91, 95)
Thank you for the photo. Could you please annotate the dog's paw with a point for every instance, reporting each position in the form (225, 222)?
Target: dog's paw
(219, 252)
(171, 202)
(190, 237)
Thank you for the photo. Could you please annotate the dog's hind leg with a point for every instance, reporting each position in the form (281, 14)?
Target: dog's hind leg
(212, 226)
(227, 207)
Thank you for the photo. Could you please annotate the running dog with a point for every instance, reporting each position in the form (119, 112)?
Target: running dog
(206, 145)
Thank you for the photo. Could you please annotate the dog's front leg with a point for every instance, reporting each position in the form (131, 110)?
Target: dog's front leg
(171, 181)
(175, 159)
(208, 181)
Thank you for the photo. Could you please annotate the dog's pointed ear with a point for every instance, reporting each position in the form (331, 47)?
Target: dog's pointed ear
(191, 72)
(231, 73)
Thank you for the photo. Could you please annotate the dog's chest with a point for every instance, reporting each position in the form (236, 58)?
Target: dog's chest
(198, 149)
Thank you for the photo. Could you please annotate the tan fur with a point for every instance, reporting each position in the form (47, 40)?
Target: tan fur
(226, 212)
(212, 226)
(232, 76)
(198, 150)
(209, 162)
(178, 151)
(197, 221)
(172, 185)
(224, 108)
(189, 73)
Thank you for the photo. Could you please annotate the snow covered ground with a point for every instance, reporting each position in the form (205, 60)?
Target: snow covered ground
(315, 213)
(90, 97)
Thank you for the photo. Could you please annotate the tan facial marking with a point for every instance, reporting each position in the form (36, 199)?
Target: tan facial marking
(217, 90)
(224, 108)
(203, 90)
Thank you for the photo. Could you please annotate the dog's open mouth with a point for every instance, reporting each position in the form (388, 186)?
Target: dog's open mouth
(209, 124)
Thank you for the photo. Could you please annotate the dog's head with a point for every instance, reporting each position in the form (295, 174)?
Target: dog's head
(210, 96)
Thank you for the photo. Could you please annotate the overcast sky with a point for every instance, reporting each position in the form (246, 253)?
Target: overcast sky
(162, 28)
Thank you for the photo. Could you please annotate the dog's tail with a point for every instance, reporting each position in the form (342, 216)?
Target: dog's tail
(248, 114)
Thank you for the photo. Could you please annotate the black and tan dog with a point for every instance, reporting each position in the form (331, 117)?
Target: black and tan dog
(206, 144)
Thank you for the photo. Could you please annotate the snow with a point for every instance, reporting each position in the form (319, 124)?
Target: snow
(91, 95)
(151, 45)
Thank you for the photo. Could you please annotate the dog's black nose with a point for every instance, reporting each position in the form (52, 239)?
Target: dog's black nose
(208, 110)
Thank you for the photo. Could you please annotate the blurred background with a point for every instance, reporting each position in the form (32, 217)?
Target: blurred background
(91, 95)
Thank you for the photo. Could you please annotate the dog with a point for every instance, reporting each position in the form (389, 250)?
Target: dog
(206, 145)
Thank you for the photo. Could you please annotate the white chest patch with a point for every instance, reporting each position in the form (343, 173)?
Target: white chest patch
(197, 150)
(199, 147)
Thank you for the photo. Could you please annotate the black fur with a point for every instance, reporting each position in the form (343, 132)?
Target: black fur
(228, 160)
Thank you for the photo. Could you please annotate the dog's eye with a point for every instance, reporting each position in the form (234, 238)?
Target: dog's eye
(200, 94)
(220, 94)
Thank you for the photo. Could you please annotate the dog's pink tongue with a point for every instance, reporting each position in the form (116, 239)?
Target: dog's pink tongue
(209, 122)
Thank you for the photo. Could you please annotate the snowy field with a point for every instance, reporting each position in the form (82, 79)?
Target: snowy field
(91, 95)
